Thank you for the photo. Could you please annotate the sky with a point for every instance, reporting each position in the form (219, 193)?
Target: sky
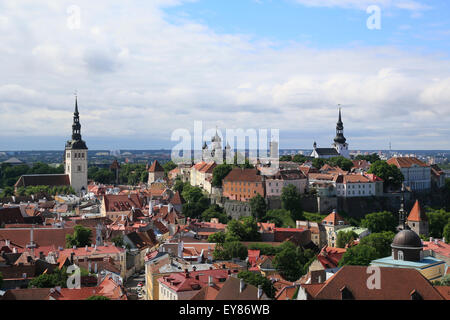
(145, 68)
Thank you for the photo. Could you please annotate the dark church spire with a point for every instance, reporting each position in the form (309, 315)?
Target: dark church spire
(340, 130)
(76, 142)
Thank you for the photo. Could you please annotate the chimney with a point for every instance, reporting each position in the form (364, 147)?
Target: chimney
(210, 281)
(260, 292)
(86, 248)
(241, 285)
(14, 250)
(7, 243)
(71, 257)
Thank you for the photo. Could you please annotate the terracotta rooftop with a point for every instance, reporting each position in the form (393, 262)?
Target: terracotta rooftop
(247, 175)
(351, 282)
(417, 213)
(156, 167)
(406, 162)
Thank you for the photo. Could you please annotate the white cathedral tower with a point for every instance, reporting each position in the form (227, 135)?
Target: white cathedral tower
(75, 156)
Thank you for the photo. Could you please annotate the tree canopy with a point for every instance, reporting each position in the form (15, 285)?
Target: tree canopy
(372, 158)
(229, 250)
(81, 237)
(345, 237)
(391, 175)
(379, 222)
(359, 255)
(9, 174)
(381, 242)
(256, 280)
(219, 173)
(214, 211)
(291, 261)
(291, 201)
(437, 220)
(258, 207)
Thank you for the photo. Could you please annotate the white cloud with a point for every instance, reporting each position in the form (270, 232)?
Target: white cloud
(140, 77)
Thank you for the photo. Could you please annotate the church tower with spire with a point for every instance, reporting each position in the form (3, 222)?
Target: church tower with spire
(75, 156)
(340, 143)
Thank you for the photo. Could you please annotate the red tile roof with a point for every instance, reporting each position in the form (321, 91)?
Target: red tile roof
(118, 203)
(406, 162)
(333, 217)
(193, 281)
(417, 214)
(247, 175)
(396, 284)
(156, 167)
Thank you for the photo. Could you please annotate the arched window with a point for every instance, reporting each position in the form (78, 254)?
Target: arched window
(400, 255)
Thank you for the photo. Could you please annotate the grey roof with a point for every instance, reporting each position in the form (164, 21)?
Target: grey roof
(13, 160)
(407, 239)
(326, 152)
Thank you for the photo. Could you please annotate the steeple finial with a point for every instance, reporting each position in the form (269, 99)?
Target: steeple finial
(340, 116)
(76, 102)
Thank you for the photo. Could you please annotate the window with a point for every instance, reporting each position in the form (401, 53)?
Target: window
(79, 168)
(400, 255)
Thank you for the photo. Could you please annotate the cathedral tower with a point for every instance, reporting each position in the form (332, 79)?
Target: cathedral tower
(340, 143)
(75, 158)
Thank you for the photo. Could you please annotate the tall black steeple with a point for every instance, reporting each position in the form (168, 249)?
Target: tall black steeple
(340, 130)
(76, 142)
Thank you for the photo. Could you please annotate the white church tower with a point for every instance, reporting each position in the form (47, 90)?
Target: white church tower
(340, 143)
(75, 156)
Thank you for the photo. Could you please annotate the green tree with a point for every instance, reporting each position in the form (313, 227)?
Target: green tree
(281, 217)
(291, 201)
(118, 240)
(229, 250)
(219, 173)
(178, 186)
(81, 237)
(258, 207)
(245, 229)
(381, 242)
(58, 278)
(341, 162)
(318, 163)
(218, 237)
(345, 237)
(391, 175)
(168, 166)
(196, 201)
(98, 298)
(7, 192)
(379, 222)
(256, 280)
(372, 158)
(291, 260)
(360, 255)
(286, 158)
(446, 233)
(437, 220)
(215, 211)
(299, 158)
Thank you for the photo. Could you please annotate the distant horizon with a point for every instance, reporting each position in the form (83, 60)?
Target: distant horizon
(281, 149)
